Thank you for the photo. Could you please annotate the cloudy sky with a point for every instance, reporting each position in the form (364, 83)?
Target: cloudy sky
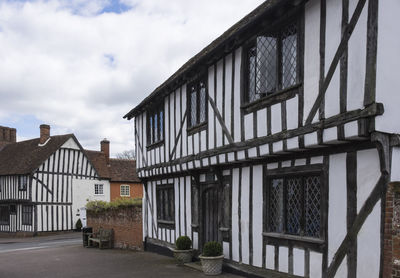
(81, 65)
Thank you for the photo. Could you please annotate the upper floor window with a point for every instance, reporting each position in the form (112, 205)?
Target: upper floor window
(155, 124)
(125, 190)
(22, 183)
(197, 103)
(272, 62)
(294, 205)
(98, 189)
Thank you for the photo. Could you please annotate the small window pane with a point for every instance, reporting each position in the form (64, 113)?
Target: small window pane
(165, 203)
(276, 206)
(313, 206)
(293, 206)
(193, 107)
(266, 64)
(203, 101)
(161, 133)
(289, 57)
(252, 95)
(155, 128)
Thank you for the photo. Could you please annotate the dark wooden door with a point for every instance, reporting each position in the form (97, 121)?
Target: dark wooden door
(211, 201)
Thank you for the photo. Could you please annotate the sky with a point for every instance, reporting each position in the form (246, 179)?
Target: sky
(81, 65)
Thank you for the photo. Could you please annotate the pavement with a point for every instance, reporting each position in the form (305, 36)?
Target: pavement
(63, 255)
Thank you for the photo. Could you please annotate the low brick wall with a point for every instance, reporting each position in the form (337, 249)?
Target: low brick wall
(391, 260)
(126, 223)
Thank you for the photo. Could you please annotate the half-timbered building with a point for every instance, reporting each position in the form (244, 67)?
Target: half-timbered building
(44, 182)
(279, 139)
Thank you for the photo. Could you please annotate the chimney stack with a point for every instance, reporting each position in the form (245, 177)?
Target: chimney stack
(105, 148)
(7, 135)
(44, 133)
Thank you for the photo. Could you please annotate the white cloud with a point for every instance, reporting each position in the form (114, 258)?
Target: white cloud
(81, 71)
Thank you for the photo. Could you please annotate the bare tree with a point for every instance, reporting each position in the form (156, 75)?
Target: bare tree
(129, 154)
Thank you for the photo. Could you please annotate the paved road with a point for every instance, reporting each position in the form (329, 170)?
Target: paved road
(63, 256)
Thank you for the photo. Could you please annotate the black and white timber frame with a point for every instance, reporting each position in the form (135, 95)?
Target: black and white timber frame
(50, 192)
(338, 121)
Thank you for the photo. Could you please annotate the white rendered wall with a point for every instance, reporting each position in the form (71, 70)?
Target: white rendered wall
(83, 190)
(388, 61)
(311, 54)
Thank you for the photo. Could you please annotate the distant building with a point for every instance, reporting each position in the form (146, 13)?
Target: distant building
(119, 173)
(44, 182)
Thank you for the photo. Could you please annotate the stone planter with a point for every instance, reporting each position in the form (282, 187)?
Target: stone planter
(212, 265)
(183, 256)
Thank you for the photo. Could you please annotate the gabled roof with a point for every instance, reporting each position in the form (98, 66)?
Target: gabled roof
(228, 39)
(118, 170)
(123, 170)
(26, 156)
(99, 162)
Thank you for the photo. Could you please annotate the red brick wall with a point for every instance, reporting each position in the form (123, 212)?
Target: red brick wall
(136, 190)
(391, 256)
(126, 223)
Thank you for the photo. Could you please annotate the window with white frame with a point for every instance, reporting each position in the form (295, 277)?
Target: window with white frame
(27, 212)
(125, 190)
(98, 189)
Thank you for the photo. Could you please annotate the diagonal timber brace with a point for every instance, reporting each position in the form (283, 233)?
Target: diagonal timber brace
(42, 183)
(177, 137)
(339, 52)
(382, 142)
(221, 122)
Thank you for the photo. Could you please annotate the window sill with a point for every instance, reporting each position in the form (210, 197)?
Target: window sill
(196, 128)
(286, 237)
(166, 223)
(155, 145)
(271, 99)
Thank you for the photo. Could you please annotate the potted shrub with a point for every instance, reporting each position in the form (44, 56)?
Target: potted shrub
(212, 258)
(183, 252)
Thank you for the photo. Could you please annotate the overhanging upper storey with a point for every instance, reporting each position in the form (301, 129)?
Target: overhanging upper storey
(289, 77)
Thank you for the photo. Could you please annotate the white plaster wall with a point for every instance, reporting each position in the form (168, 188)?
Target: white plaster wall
(236, 94)
(245, 214)
(311, 54)
(83, 190)
(70, 144)
(257, 214)
(235, 215)
(211, 115)
(388, 61)
(368, 246)
(357, 52)
(337, 203)
(368, 173)
(395, 172)
(332, 41)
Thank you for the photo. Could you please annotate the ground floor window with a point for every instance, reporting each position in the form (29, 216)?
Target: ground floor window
(165, 204)
(125, 190)
(98, 189)
(4, 215)
(294, 205)
(27, 212)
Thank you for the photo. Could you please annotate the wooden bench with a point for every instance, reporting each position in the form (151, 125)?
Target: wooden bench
(103, 236)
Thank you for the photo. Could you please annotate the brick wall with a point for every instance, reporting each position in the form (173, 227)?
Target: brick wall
(391, 259)
(136, 190)
(126, 223)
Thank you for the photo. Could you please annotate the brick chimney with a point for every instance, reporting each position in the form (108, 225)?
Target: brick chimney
(44, 133)
(105, 148)
(7, 135)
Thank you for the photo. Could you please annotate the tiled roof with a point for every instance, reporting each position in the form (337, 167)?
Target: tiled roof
(26, 156)
(99, 162)
(123, 170)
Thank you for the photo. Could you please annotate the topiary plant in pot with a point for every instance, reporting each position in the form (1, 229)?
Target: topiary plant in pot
(212, 258)
(183, 252)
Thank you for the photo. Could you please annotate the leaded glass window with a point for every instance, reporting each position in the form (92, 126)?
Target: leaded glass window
(295, 205)
(155, 130)
(197, 104)
(272, 62)
(165, 203)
